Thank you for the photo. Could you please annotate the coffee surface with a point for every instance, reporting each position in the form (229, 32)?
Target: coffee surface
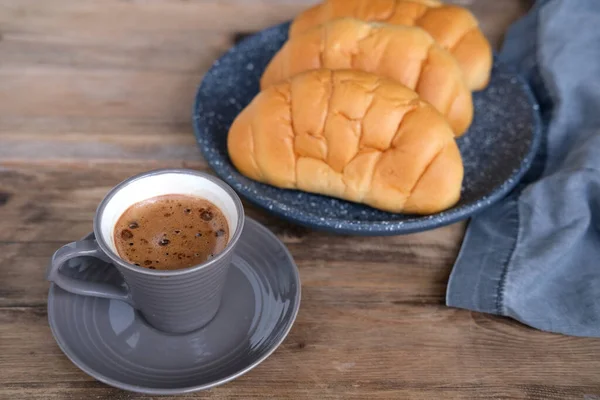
(171, 232)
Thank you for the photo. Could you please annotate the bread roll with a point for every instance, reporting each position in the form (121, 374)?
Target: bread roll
(453, 27)
(406, 54)
(351, 135)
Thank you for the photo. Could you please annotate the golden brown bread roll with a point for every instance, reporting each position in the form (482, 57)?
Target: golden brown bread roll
(351, 135)
(406, 54)
(453, 27)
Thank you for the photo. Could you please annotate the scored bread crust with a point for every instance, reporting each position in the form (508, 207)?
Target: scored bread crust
(455, 28)
(351, 135)
(406, 54)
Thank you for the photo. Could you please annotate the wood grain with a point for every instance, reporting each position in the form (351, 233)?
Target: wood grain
(123, 75)
(401, 351)
(33, 229)
(92, 92)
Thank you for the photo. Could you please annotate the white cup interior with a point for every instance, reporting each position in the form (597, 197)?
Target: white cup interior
(162, 184)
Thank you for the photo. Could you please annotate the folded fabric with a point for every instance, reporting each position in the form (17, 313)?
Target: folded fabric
(535, 256)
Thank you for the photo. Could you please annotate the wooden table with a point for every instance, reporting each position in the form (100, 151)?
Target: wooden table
(92, 92)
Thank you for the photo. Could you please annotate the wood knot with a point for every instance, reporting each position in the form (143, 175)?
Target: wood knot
(295, 231)
(239, 36)
(4, 197)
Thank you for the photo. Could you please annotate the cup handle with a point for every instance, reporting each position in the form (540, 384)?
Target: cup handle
(97, 289)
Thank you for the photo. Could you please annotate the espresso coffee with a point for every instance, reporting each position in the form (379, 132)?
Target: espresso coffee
(171, 232)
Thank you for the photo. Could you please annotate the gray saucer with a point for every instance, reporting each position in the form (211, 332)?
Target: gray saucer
(110, 341)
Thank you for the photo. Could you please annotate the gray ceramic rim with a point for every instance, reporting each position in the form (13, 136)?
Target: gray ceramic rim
(146, 271)
(144, 390)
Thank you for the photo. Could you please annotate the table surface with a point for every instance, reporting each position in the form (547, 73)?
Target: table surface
(92, 92)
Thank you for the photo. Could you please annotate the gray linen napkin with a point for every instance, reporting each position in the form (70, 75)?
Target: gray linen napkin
(535, 256)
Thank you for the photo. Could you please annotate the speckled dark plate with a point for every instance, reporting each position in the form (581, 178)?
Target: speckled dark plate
(497, 150)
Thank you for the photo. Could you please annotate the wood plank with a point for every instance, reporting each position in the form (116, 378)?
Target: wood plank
(97, 93)
(95, 390)
(155, 51)
(410, 280)
(42, 140)
(405, 351)
(389, 270)
(27, 41)
(87, 18)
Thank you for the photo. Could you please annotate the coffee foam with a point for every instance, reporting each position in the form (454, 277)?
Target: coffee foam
(161, 184)
(171, 232)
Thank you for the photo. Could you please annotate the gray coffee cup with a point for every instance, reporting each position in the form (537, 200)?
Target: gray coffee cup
(176, 301)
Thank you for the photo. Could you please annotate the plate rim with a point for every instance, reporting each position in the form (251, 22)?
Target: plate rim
(380, 228)
(163, 391)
